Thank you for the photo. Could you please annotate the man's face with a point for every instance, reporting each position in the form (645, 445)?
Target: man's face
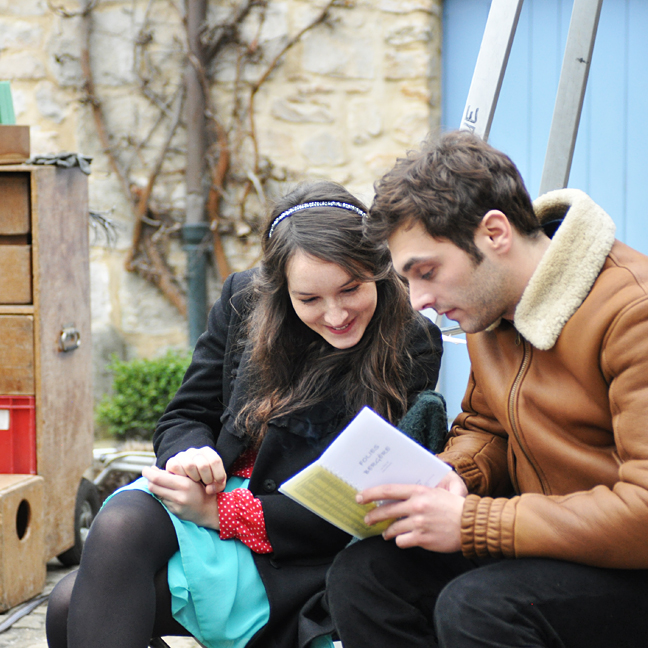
(444, 277)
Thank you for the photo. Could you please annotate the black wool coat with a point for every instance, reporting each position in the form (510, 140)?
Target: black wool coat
(304, 544)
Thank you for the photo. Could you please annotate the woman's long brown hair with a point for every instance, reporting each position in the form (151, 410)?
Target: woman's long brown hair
(291, 366)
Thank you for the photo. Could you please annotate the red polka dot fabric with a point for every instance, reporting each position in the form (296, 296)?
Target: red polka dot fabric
(242, 467)
(240, 513)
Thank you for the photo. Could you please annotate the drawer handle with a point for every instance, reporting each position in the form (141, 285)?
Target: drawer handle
(70, 338)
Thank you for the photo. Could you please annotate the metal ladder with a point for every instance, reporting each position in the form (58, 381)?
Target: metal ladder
(489, 74)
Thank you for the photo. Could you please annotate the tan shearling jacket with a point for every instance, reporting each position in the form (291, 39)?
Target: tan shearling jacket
(557, 405)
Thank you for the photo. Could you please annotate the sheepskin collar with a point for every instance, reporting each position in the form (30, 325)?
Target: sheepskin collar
(569, 267)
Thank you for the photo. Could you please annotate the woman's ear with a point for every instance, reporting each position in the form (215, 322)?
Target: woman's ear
(495, 232)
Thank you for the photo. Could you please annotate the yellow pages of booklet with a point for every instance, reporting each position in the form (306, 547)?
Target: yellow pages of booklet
(368, 452)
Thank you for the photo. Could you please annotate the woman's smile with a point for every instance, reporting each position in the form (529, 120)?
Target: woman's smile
(341, 329)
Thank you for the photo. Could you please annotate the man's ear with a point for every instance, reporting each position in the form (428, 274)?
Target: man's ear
(495, 232)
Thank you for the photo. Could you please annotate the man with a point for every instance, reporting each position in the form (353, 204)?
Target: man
(539, 537)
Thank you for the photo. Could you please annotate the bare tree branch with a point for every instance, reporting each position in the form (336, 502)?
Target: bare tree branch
(61, 11)
(235, 165)
(163, 277)
(215, 38)
(145, 194)
(159, 274)
(92, 99)
(322, 17)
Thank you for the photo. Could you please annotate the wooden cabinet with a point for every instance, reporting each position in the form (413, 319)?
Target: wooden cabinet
(45, 331)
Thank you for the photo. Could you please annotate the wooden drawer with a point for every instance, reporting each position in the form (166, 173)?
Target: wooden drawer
(14, 206)
(17, 354)
(15, 274)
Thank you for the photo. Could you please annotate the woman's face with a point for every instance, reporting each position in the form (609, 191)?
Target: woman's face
(329, 301)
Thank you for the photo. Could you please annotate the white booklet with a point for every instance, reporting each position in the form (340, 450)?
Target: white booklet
(368, 452)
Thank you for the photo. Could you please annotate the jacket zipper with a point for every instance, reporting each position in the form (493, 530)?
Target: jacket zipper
(526, 358)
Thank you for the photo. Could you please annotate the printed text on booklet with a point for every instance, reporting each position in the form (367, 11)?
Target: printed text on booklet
(369, 452)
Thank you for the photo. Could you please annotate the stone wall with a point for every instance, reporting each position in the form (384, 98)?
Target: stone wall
(343, 103)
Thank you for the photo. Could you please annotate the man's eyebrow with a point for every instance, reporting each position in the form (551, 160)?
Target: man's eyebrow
(412, 261)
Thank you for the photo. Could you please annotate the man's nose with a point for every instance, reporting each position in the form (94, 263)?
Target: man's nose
(420, 295)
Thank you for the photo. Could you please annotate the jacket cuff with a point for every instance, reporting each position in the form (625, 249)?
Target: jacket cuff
(487, 525)
(241, 516)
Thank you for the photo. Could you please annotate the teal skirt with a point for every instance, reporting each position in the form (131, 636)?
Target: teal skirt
(216, 591)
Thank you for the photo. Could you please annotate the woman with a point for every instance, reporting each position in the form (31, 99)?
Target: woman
(291, 354)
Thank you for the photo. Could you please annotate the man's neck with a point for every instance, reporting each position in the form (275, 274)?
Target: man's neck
(525, 259)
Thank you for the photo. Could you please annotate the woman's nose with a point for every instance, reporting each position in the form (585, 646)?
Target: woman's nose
(336, 315)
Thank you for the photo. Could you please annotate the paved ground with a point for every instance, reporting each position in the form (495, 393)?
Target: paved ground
(29, 632)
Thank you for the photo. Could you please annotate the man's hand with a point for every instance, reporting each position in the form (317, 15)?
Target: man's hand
(184, 497)
(453, 483)
(201, 465)
(424, 517)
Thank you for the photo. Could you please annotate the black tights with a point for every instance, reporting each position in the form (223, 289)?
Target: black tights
(119, 597)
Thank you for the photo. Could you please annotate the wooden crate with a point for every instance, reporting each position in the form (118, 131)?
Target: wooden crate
(22, 540)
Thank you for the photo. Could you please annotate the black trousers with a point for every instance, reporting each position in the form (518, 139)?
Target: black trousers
(381, 595)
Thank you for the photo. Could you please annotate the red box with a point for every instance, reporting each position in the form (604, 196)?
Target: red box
(17, 435)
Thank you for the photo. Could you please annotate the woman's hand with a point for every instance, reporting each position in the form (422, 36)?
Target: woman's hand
(201, 465)
(184, 497)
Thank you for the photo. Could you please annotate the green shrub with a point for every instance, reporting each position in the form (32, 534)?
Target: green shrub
(141, 391)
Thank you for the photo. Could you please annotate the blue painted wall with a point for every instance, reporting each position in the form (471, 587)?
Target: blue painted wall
(609, 160)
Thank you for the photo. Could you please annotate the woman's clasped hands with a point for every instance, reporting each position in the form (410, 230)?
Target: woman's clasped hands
(189, 485)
